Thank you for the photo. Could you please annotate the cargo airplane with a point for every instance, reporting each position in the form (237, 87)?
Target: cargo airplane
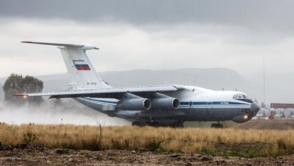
(168, 105)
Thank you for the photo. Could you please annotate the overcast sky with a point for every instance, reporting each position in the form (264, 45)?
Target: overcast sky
(149, 34)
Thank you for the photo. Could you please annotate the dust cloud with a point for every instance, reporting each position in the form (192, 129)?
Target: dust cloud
(66, 112)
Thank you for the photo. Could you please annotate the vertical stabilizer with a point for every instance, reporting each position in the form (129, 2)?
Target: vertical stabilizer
(81, 71)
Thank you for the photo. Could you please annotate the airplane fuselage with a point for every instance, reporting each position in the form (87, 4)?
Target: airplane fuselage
(195, 104)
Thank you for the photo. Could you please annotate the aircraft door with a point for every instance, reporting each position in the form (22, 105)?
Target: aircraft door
(209, 110)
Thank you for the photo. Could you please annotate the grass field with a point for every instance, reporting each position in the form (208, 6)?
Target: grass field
(232, 142)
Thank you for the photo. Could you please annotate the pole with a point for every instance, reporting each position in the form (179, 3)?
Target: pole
(263, 82)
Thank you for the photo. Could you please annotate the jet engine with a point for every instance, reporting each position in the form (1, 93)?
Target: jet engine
(162, 102)
(165, 104)
(134, 104)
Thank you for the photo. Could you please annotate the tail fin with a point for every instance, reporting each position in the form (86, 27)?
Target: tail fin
(81, 71)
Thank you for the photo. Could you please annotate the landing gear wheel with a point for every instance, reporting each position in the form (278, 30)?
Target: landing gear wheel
(137, 124)
(216, 125)
(178, 125)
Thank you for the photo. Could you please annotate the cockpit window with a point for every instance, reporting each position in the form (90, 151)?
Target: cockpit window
(240, 96)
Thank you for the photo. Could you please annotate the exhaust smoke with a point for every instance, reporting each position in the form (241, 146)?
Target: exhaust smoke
(66, 111)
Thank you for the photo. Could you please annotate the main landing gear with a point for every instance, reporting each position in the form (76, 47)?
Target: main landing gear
(140, 124)
(177, 124)
(217, 125)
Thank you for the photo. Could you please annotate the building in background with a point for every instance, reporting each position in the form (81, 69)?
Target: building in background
(282, 105)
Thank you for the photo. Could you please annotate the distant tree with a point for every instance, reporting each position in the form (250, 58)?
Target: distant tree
(12, 86)
(17, 84)
(33, 85)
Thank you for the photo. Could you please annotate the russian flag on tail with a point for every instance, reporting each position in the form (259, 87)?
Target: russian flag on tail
(81, 66)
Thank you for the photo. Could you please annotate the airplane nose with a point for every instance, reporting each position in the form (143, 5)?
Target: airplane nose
(254, 107)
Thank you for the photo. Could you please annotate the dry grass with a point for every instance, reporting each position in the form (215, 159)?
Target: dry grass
(269, 142)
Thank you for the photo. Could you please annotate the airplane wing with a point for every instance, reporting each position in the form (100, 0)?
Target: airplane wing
(105, 93)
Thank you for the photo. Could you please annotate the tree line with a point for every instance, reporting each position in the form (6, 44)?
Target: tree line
(16, 84)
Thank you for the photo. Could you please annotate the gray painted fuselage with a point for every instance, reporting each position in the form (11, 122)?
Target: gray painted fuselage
(196, 104)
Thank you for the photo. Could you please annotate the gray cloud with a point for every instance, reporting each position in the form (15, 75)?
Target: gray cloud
(126, 47)
(258, 16)
(232, 34)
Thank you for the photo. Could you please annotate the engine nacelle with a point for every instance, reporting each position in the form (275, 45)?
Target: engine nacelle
(134, 104)
(163, 102)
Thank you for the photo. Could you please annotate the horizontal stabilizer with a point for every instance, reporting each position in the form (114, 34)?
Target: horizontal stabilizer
(62, 44)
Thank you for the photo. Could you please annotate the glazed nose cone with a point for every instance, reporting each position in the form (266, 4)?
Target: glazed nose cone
(254, 107)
